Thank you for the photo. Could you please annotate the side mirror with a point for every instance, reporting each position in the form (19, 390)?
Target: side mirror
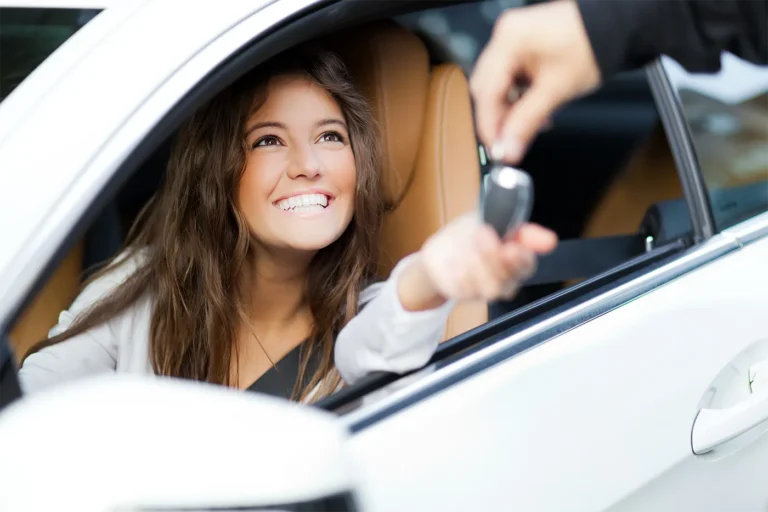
(124, 443)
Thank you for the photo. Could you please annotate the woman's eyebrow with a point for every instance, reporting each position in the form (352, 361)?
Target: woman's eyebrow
(275, 124)
(331, 120)
(265, 124)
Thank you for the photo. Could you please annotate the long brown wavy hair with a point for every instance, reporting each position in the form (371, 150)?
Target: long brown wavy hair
(195, 244)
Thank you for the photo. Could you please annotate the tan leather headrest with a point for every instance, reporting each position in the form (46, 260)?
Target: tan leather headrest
(446, 180)
(391, 67)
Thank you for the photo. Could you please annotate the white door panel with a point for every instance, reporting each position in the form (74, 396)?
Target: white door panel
(596, 418)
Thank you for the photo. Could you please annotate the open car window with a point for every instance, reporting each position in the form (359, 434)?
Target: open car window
(29, 35)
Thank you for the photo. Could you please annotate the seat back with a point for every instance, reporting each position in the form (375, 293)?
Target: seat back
(431, 163)
(43, 312)
(102, 241)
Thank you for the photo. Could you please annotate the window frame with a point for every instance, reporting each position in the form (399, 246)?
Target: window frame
(210, 71)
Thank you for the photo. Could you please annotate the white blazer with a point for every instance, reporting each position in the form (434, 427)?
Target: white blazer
(382, 337)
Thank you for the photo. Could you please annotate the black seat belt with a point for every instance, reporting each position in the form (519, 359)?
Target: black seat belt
(580, 258)
(585, 257)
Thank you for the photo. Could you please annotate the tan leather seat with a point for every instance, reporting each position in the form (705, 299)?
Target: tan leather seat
(432, 168)
(55, 296)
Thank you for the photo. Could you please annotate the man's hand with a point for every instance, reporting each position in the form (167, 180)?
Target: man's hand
(547, 46)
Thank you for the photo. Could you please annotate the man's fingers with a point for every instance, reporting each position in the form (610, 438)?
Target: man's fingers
(529, 115)
(490, 83)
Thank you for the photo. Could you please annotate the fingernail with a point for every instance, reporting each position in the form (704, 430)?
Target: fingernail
(513, 150)
(497, 151)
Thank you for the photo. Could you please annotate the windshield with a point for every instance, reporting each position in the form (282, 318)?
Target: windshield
(29, 35)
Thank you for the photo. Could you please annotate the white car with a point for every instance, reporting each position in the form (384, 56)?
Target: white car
(630, 374)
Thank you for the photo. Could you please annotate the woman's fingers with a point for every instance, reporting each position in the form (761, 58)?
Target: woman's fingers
(502, 266)
(519, 261)
(489, 247)
(467, 260)
(534, 237)
(491, 272)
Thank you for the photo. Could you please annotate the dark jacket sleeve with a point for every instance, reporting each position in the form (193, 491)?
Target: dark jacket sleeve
(627, 34)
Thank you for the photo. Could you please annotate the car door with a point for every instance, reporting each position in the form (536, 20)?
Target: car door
(649, 396)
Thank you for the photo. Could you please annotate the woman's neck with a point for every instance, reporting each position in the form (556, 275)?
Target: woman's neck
(279, 315)
(277, 287)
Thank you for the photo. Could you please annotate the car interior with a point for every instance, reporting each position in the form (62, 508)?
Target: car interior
(604, 171)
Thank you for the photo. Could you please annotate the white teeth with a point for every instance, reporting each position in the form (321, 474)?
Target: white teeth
(304, 202)
(311, 208)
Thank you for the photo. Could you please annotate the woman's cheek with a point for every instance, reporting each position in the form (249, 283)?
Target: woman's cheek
(345, 173)
(253, 192)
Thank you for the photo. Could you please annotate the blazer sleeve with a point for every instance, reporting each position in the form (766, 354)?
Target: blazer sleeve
(384, 336)
(89, 353)
(627, 34)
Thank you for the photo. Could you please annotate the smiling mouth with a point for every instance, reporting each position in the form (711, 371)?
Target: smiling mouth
(304, 203)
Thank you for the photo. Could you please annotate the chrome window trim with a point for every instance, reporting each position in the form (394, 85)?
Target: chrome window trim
(84, 191)
(750, 230)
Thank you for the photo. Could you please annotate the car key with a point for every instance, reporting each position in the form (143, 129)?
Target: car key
(508, 197)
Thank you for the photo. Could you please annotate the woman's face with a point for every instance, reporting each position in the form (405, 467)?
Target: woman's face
(298, 188)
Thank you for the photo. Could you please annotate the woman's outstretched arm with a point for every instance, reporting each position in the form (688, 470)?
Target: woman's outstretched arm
(403, 319)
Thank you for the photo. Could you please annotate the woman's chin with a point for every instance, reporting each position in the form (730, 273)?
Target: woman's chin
(311, 242)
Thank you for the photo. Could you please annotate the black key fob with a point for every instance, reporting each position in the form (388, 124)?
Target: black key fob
(508, 199)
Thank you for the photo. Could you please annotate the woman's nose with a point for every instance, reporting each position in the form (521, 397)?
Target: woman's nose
(304, 163)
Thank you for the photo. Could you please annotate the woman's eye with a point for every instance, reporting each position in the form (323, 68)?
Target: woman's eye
(269, 140)
(332, 137)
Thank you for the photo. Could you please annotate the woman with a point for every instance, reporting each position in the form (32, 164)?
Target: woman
(259, 248)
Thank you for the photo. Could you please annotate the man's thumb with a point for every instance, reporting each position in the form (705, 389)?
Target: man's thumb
(527, 117)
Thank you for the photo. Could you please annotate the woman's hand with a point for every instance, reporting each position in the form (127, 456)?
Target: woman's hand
(466, 260)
